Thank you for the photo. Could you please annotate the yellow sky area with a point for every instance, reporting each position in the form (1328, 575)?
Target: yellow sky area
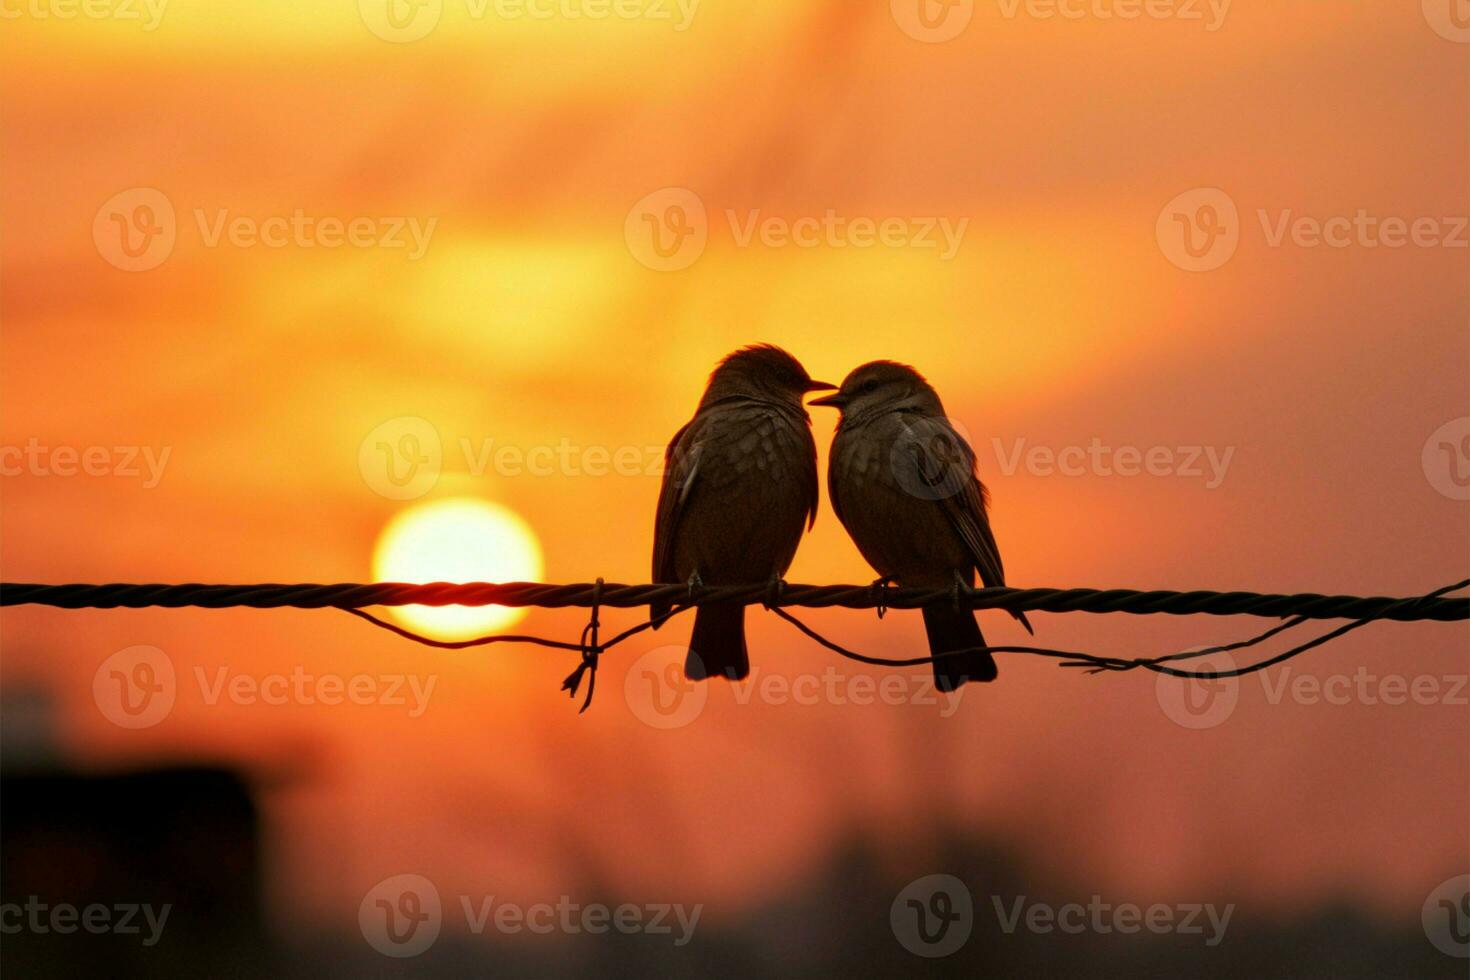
(185, 31)
(543, 336)
(179, 28)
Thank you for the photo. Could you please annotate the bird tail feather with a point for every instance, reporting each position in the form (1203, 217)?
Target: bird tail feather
(717, 644)
(950, 630)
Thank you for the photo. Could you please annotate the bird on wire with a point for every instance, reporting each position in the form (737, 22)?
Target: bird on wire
(903, 483)
(739, 490)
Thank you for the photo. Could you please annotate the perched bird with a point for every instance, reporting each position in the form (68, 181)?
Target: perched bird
(740, 487)
(903, 483)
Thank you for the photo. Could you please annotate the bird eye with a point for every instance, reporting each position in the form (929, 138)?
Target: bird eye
(870, 385)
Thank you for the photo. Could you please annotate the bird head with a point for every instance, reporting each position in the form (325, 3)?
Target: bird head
(763, 371)
(883, 386)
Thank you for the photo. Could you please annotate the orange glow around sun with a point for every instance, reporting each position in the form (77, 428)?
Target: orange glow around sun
(460, 539)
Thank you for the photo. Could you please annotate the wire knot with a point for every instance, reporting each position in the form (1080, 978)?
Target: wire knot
(591, 649)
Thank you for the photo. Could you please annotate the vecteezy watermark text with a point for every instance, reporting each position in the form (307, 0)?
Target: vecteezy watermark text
(405, 21)
(401, 917)
(64, 918)
(137, 230)
(137, 687)
(402, 458)
(1097, 916)
(660, 696)
(1200, 230)
(1210, 13)
(933, 916)
(833, 230)
(303, 230)
(149, 13)
(1098, 459)
(569, 917)
(299, 686)
(669, 229)
(1208, 701)
(937, 21)
(124, 462)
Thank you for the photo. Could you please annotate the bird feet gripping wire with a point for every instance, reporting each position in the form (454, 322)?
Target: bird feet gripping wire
(695, 583)
(775, 590)
(880, 587)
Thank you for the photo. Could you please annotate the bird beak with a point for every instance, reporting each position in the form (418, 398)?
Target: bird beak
(819, 386)
(834, 400)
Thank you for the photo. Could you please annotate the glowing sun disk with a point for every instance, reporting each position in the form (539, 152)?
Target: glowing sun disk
(461, 539)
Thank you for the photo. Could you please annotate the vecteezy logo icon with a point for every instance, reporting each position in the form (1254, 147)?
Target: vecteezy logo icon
(401, 915)
(401, 459)
(400, 21)
(932, 21)
(933, 916)
(1199, 230)
(1199, 702)
(929, 458)
(1446, 459)
(135, 687)
(1446, 917)
(657, 691)
(135, 230)
(1449, 18)
(667, 230)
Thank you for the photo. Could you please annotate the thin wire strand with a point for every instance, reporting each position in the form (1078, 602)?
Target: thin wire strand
(775, 595)
(480, 641)
(1099, 663)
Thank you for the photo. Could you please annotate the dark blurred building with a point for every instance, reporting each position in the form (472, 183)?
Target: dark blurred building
(150, 873)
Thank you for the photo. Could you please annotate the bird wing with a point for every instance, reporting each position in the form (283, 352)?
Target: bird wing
(807, 454)
(766, 440)
(850, 463)
(835, 467)
(681, 467)
(774, 441)
(946, 463)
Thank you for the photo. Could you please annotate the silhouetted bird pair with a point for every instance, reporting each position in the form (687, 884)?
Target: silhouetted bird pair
(740, 486)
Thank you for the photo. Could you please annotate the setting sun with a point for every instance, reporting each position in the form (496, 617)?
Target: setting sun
(462, 539)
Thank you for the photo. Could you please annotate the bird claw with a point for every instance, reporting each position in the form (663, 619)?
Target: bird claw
(695, 582)
(775, 588)
(880, 586)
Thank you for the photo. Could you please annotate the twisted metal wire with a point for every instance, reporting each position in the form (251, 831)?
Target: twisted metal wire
(774, 595)
(1160, 665)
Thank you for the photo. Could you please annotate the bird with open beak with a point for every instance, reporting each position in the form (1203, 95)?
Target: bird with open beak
(739, 490)
(903, 483)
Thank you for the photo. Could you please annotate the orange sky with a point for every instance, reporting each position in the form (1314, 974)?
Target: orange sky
(528, 320)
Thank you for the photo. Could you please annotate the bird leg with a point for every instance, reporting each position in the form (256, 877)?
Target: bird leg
(775, 588)
(960, 586)
(880, 585)
(695, 582)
